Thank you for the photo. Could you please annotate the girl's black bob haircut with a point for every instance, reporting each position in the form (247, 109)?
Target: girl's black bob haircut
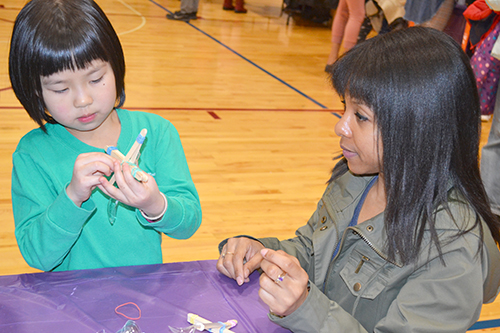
(55, 35)
(422, 90)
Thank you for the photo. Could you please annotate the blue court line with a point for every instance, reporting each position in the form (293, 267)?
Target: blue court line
(248, 60)
(481, 325)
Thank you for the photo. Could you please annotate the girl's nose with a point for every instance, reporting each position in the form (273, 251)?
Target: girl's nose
(83, 98)
(342, 127)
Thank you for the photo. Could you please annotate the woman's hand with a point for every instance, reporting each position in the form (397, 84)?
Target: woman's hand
(239, 258)
(89, 168)
(283, 285)
(131, 192)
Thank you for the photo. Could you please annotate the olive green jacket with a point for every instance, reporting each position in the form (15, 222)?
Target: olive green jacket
(360, 290)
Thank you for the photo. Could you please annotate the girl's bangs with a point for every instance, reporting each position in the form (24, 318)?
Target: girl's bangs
(56, 58)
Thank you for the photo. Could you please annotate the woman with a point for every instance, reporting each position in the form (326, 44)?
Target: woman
(403, 238)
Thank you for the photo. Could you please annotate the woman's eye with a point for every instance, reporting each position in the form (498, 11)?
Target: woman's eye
(360, 116)
(343, 103)
(60, 91)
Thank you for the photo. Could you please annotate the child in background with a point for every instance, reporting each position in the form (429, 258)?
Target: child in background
(67, 68)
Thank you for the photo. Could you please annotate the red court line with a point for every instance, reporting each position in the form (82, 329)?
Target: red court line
(229, 109)
(213, 114)
(210, 111)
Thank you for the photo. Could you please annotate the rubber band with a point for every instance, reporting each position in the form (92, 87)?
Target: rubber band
(136, 172)
(128, 303)
(110, 149)
(140, 138)
(134, 169)
(223, 327)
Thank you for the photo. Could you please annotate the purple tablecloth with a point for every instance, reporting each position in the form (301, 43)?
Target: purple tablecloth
(85, 301)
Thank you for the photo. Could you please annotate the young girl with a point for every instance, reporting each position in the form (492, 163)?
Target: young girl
(403, 239)
(67, 69)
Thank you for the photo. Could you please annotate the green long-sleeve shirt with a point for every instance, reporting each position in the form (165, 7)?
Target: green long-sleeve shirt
(55, 234)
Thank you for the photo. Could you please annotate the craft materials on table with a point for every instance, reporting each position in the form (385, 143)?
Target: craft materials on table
(131, 159)
(201, 324)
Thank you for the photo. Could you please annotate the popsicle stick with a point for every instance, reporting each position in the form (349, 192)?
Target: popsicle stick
(136, 171)
(194, 318)
(133, 153)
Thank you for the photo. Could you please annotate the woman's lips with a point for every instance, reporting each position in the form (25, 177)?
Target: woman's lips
(348, 153)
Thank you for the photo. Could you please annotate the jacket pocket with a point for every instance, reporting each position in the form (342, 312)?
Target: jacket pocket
(362, 274)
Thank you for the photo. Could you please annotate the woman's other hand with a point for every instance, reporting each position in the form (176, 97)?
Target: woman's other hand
(239, 258)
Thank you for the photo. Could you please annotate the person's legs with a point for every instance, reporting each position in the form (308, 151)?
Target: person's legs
(239, 7)
(356, 9)
(442, 16)
(228, 5)
(338, 26)
(188, 11)
(189, 6)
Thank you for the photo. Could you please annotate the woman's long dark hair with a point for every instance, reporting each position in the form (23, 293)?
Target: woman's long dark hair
(422, 90)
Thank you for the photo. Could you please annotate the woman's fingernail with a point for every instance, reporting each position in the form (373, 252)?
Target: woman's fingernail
(239, 280)
(263, 252)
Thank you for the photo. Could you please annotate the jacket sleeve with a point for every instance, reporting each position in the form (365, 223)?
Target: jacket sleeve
(183, 215)
(436, 297)
(301, 246)
(47, 222)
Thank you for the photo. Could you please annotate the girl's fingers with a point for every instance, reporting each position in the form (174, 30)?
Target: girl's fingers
(126, 175)
(107, 188)
(93, 160)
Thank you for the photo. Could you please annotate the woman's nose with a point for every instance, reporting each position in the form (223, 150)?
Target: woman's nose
(342, 127)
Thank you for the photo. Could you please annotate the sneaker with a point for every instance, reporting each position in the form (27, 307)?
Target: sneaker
(180, 16)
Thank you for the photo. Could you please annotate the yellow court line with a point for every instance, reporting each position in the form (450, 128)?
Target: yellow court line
(143, 23)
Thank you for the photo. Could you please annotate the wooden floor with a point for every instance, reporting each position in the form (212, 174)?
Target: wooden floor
(250, 99)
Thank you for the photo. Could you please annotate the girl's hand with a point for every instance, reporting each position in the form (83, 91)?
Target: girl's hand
(141, 195)
(89, 168)
(283, 285)
(233, 255)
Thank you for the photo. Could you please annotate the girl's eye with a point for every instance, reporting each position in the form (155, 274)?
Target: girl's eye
(96, 81)
(361, 117)
(60, 91)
